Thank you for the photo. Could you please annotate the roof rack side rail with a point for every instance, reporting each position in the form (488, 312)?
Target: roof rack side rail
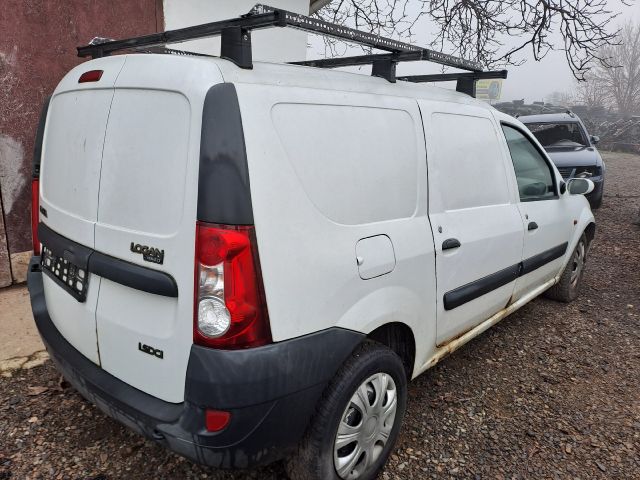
(236, 42)
(465, 81)
(417, 54)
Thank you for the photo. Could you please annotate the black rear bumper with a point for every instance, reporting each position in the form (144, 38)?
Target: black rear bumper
(271, 392)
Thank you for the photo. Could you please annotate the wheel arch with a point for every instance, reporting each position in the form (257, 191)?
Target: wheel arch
(590, 231)
(398, 337)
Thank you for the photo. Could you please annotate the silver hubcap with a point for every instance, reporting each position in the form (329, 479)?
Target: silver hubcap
(577, 263)
(365, 426)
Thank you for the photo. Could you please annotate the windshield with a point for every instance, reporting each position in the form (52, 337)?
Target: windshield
(558, 134)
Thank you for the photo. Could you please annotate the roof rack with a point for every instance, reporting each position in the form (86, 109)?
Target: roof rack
(235, 36)
(465, 81)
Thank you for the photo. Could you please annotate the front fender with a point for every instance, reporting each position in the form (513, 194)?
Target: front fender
(584, 219)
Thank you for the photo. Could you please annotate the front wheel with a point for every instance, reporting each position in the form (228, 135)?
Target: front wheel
(357, 420)
(567, 289)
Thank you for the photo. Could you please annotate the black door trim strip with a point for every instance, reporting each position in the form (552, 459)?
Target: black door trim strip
(119, 271)
(477, 288)
(482, 286)
(537, 261)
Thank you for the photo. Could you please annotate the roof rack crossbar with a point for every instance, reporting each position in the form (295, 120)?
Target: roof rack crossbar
(465, 81)
(212, 29)
(236, 42)
(448, 77)
(411, 56)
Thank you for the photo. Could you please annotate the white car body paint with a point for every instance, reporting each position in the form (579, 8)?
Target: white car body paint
(334, 159)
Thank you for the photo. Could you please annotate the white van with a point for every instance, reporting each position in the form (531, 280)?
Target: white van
(248, 264)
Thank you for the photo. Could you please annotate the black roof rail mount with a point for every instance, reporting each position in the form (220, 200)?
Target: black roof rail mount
(235, 36)
(465, 81)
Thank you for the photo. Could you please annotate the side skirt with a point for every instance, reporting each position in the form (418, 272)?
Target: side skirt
(451, 346)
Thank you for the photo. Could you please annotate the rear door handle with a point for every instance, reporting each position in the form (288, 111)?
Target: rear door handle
(532, 226)
(450, 243)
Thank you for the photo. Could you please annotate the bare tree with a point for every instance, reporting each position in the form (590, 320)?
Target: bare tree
(620, 83)
(478, 29)
(591, 93)
(563, 99)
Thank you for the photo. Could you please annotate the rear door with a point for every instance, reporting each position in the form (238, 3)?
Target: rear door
(69, 185)
(475, 220)
(146, 217)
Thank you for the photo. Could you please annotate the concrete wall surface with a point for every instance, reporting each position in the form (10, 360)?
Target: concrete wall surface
(272, 45)
(38, 40)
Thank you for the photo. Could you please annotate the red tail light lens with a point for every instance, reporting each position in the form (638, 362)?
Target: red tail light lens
(216, 420)
(90, 76)
(230, 311)
(35, 214)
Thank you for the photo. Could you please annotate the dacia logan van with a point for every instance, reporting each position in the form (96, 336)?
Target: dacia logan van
(246, 265)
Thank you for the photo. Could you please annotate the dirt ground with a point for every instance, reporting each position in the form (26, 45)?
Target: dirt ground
(551, 392)
(20, 344)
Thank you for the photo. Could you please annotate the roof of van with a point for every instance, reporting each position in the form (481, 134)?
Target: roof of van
(283, 74)
(549, 118)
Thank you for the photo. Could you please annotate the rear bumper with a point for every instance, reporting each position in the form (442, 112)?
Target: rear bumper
(271, 392)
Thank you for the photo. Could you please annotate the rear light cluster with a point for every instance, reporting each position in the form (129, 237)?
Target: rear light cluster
(35, 215)
(90, 76)
(230, 311)
(216, 420)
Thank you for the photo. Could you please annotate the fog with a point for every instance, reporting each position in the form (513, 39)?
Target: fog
(533, 80)
(537, 80)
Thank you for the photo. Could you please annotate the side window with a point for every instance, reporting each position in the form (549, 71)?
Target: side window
(533, 173)
(466, 166)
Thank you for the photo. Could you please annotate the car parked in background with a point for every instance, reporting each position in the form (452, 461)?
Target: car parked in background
(572, 149)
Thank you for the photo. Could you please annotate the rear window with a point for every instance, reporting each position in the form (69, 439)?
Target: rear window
(558, 134)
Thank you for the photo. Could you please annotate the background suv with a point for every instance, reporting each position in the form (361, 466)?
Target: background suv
(565, 138)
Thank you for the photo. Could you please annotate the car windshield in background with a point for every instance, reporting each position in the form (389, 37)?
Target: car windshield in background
(558, 134)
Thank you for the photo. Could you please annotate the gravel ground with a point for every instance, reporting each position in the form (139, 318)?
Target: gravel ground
(551, 392)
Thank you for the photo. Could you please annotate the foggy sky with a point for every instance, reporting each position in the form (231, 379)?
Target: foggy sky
(533, 81)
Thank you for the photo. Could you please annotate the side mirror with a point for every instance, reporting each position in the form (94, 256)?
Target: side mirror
(580, 186)
(563, 188)
(595, 139)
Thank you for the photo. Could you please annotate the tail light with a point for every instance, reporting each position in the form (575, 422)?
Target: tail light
(230, 310)
(216, 420)
(90, 76)
(35, 207)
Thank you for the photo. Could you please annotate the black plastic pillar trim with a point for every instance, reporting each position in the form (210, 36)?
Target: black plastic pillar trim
(224, 194)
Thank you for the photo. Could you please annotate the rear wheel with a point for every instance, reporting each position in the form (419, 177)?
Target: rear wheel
(357, 421)
(567, 289)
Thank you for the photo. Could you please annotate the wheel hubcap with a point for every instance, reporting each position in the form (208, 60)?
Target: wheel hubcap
(365, 426)
(577, 263)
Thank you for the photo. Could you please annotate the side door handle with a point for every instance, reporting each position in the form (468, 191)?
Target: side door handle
(450, 243)
(532, 226)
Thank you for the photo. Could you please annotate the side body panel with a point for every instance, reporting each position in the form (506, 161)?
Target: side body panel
(328, 169)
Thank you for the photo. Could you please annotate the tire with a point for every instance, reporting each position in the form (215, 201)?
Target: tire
(567, 289)
(596, 202)
(364, 372)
